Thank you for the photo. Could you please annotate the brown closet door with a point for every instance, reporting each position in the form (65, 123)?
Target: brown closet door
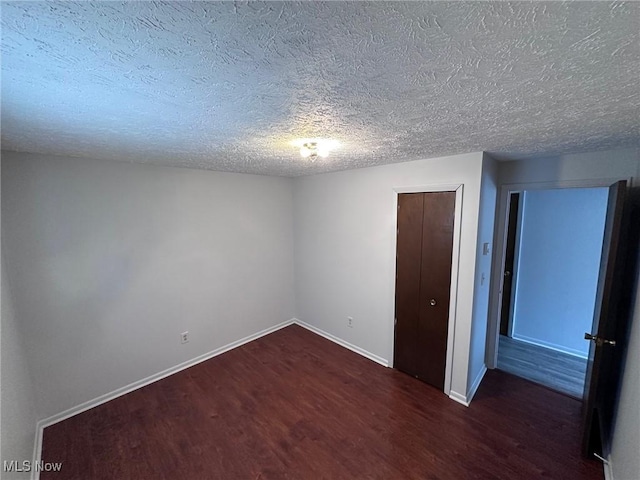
(423, 282)
(409, 252)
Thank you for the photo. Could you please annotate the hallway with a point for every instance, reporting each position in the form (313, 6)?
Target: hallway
(557, 370)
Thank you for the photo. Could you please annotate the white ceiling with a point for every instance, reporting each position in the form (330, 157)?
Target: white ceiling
(227, 86)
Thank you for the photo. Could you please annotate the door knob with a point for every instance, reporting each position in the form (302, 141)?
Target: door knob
(599, 341)
(507, 273)
(432, 302)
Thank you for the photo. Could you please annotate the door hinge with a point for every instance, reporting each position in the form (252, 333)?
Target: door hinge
(599, 341)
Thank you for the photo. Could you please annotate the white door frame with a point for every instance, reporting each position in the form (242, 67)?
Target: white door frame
(453, 296)
(497, 279)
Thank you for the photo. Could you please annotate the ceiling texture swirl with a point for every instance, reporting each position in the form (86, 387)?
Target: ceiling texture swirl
(228, 86)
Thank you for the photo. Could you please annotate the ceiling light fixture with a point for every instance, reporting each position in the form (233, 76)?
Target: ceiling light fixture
(312, 148)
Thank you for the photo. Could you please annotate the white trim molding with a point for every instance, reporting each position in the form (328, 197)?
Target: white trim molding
(549, 345)
(608, 469)
(458, 397)
(160, 375)
(42, 424)
(37, 449)
(466, 399)
(476, 383)
(83, 407)
(339, 341)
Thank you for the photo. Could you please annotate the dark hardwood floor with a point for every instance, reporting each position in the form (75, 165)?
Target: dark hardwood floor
(560, 371)
(294, 405)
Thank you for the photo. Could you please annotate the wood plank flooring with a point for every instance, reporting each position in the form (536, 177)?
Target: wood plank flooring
(293, 405)
(560, 371)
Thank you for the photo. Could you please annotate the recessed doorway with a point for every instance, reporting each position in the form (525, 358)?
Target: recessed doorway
(552, 258)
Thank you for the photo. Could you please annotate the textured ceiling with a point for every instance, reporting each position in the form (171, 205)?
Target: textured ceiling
(227, 86)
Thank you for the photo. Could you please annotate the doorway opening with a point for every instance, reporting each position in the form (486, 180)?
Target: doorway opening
(612, 313)
(552, 258)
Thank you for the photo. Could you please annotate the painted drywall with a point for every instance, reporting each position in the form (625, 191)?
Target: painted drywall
(586, 169)
(625, 461)
(483, 270)
(606, 164)
(17, 403)
(110, 262)
(558, 265)
(345, 255)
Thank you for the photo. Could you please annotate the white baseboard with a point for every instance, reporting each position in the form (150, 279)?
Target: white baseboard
(42, 424)
(476, 383)
(552, 346)
(466, 399)
(37, 449)
(608, 469)
(343, 343)
(194, 361)
(458, 397)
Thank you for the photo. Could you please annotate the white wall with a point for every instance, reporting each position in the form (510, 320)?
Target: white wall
(345, 225)
(584, 168)
(610, 164)
(625, 461)
(558, 266)
(488, 194)
(17, 403)
(110, 262)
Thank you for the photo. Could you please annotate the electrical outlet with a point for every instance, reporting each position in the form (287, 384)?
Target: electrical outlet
(184, 337)
(350, 322)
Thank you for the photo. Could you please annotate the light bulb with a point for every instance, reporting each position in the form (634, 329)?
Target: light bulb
(305, 152)
(315, 147)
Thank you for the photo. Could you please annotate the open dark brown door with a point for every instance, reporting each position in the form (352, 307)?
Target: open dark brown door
(611, 315)
(423, 283)
(509, 265)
